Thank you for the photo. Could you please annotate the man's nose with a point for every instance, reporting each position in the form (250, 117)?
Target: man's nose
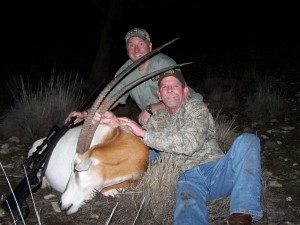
(170, 89)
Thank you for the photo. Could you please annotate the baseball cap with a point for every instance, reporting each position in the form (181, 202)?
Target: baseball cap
(174, 73)
(137, 32)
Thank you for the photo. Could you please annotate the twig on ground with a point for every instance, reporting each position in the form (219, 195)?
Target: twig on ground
(19, 210)
(113, 211)
(139, 211)
(34, 206)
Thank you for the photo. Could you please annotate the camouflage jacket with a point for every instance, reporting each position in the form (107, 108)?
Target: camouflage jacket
(189, 135)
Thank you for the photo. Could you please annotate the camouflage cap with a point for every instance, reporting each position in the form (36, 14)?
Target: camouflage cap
(137, 32)
(174, 73)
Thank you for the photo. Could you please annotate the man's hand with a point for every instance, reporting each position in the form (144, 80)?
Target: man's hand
(144, 117)
(108, 118)
(80, 116)
(132, 126)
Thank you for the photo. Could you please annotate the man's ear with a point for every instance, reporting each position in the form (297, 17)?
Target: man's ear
(186, 91)
(158, 95)
(150, 46)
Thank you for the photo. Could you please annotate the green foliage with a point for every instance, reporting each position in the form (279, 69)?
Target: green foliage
(34, 112)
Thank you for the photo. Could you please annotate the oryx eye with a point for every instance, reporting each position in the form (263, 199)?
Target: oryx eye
(75, 169)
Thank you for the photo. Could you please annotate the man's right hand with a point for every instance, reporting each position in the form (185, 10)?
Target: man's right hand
(144, 117)
(108, 118)
(80, 116)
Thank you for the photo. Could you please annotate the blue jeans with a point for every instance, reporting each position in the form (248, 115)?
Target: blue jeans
(153, 156)
(238, 174)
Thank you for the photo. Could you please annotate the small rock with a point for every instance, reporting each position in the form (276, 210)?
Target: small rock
(95, 216)
(47, 197)
(288, 128)
(2, 212)
(269, 173)
(265, 137)
(14, 139)
(55, 207)
(289, 199)
(4, 151)
(289, 223)
(5, 146)
(247, 129)
(279, 142)
(275, 183)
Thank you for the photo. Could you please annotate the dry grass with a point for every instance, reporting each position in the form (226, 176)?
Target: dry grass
(158, 188)
(226, 132)
(35, 112)
(265, 104)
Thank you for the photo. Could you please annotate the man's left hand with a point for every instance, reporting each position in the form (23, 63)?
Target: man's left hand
(144, 117)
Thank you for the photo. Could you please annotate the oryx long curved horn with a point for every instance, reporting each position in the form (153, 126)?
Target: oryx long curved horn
(131, 85)
(106, 106)
(86, 136)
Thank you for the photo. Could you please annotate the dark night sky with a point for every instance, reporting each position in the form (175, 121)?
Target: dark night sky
(67, 32)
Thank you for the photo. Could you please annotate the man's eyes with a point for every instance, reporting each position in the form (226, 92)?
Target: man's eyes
(175, 86)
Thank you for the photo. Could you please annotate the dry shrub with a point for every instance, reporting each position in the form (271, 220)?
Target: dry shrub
(265, 104)
(34, 112)
(157, 187)
(218, 98)
(225, 131)
(219, 210)
(247, 81)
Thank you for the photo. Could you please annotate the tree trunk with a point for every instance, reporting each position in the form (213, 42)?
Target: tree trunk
(100, 69)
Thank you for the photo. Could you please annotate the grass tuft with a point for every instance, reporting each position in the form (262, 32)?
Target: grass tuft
(265, 104)
(34, 112)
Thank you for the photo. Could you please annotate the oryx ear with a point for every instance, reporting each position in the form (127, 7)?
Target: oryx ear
(84, 165)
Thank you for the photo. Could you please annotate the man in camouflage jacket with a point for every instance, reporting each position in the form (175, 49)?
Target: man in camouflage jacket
(185, 129)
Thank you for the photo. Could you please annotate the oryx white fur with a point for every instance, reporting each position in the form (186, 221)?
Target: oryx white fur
(78, 176)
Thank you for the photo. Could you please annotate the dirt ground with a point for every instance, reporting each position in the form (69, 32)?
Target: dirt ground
(281, 176)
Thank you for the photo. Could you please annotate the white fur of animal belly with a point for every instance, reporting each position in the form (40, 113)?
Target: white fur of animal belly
(77, 176)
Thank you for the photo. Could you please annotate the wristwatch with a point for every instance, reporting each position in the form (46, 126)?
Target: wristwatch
(148, 109)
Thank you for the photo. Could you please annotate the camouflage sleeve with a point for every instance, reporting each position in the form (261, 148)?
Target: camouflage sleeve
(194, 94)
(184, 138)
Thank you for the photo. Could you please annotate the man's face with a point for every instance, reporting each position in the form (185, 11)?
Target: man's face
(172, 92)
(137, 47)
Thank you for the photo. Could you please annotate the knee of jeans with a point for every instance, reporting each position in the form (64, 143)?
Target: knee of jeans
(248, 138)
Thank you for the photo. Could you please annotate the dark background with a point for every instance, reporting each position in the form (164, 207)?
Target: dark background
(65, 35)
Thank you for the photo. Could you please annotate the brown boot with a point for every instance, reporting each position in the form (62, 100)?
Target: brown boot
(240, 219)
